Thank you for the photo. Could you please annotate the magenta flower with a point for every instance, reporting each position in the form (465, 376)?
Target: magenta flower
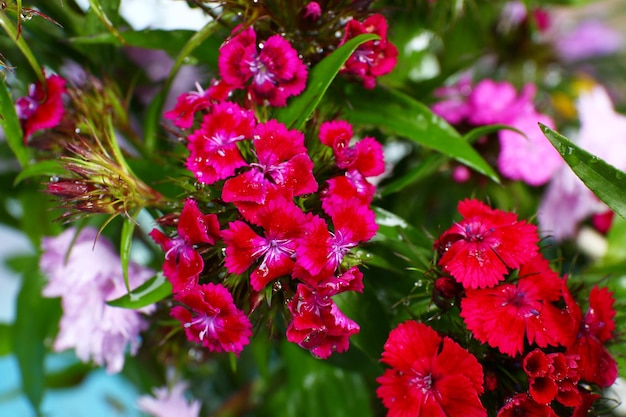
(210, 317)
(275, 72)
(492, 102)
(373, 58)
(313, 10)
(283, 165)
(168, 402)
(213, 152)
(187, 105)
(320, 251)
(479, 250)
(430, 375)
(85, 276)
(523, 308)
(43, 107)
(454, 106)
(183, 264)
(318, 325)
(282, 222)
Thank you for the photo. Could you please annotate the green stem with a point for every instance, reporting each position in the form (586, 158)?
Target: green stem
(10, 29)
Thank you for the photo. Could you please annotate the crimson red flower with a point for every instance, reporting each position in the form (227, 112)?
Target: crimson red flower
(183, 263)
(318, 324)
(373, 58)
(282, 222)
(276, 72)
(524, 405)
(479, 250)
(213, 152)
(553, 376)
(431, 376)
(214, 320)
(43, 107)
(506, 315)
(283, 164)
(589, 333)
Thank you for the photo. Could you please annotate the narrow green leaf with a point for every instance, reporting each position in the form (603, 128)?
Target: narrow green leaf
(150, 292)
(6, 339)
(607, 182)
(400, 114)
(321, 76)
(128, 227)
(11, 125)
(478, 132)
(21, 44)
(35, 317)
(153, 117)
(97, 9)
(43, 168)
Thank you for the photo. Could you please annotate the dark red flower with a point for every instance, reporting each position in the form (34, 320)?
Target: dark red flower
(318, 325)
(553, 376)
(43, 107)
(275, 72)
(479, 250)
(373, 58)
(524, 309)
(183, 264)
(522, 405)
(213, 152)
(589, 333)
(431, 376)
(210, 317)
(187, 105)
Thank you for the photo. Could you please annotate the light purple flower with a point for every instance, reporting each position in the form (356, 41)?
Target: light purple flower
(168, 402)
(567, 201)
(86, 275)
(454, 106)
(590, 39)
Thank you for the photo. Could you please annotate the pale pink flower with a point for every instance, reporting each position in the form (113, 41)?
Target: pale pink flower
(169, 402)
(85, 276)
(591, 38)
(602, 133)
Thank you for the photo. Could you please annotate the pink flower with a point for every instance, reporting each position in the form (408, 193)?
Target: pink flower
(492, 102)
(86, 276)
(213, 152)
(531, 159)
(373, 58)
(479, 250)
(589, 39)
(313, 10)
(183, 264)
(454, 106)
(318, 324)
(430, 375)
(276, 72)
(43, 107)
(214, 320)
(282, 222)
(169, 401)
(524, 309)
(283, 164)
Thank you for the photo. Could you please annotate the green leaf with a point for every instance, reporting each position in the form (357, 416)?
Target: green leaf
(43, 168)
(153, 117)
(150, 292)
(401, 115)
(11, 125)
(21, 44)
(607, 182)
(35, 317)
(478, 132)
(321, 76)
(128, 227)
(6, 339)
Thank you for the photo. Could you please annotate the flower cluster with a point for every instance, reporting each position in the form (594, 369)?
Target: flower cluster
(528, 157)
(269, 215)
(510, 300)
